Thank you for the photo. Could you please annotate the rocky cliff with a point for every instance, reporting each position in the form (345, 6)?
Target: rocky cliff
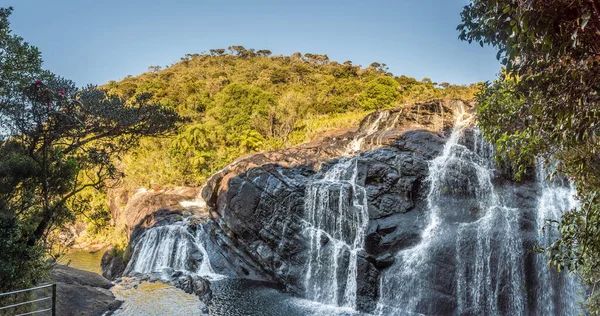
(259, 209)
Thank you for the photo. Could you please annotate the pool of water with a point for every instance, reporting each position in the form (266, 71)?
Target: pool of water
(155, 299)
(83, 260)
(233, 297)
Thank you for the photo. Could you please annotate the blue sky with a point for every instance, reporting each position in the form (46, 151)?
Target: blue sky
(91, 41)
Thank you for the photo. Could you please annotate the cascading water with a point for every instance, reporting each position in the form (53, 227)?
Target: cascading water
(471, 257)
(357, 142)
(560, 295)
(336, 214)
(171, 246)
(205, 267)
(404, 286)
(336, 217)
(490, 274)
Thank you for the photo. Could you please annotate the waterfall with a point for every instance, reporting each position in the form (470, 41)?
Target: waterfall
(172, 246)
(474, 256)
(206, 268)
(558, 294)
(405, 285)
(336, 217)
(490, 278)
(471, 257)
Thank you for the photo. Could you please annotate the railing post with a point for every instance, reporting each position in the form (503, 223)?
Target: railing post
(54, 299)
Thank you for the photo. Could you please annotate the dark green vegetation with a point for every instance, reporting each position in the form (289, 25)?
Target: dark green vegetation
(56, 141)
(547, 104)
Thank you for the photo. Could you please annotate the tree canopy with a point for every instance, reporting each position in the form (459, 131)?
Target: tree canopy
(56, 140)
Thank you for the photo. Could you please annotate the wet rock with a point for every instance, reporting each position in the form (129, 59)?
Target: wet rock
(194, 285)
(367, 284)
(385, 261)
(112, 265)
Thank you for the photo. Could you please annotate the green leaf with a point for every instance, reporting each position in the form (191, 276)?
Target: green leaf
(585, 19)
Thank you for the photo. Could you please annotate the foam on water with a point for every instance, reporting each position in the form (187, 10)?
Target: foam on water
(173, 247)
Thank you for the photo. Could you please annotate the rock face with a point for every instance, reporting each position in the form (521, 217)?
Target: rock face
(195, 284)
(130, 208)
(259, 203)
(145, 203)
(434, 116)
(82, 293)
(260, 215)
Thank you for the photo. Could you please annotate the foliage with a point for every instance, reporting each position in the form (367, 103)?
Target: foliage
(379, 94)
(547, 104)
(21, 264)
(239, 100)
(57, 141)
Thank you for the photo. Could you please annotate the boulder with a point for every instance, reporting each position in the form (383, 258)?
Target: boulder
(196, 285)
(112, 265)
(82, 293)
(129, 209)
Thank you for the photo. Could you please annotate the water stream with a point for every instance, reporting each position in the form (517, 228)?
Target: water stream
(558, 295)
(172, 246)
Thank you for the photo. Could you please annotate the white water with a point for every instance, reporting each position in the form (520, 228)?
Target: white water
(488, 259)
(205, 267)
(198, 201)
(495, 267)
(404, 286)
(336, 218)
(171, 246)
(358, 140)
(162, 247)
(561, 292)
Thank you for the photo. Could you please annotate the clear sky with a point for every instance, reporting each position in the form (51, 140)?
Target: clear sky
(94, 41)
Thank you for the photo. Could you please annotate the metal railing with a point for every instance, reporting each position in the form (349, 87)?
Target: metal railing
(52, 309)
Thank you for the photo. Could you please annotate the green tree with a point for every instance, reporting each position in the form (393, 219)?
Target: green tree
(380, 93)
(241, 107)
(57, 141)
(250, 140)
(547, 103)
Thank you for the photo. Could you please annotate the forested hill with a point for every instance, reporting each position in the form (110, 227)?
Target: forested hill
(240, 100)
